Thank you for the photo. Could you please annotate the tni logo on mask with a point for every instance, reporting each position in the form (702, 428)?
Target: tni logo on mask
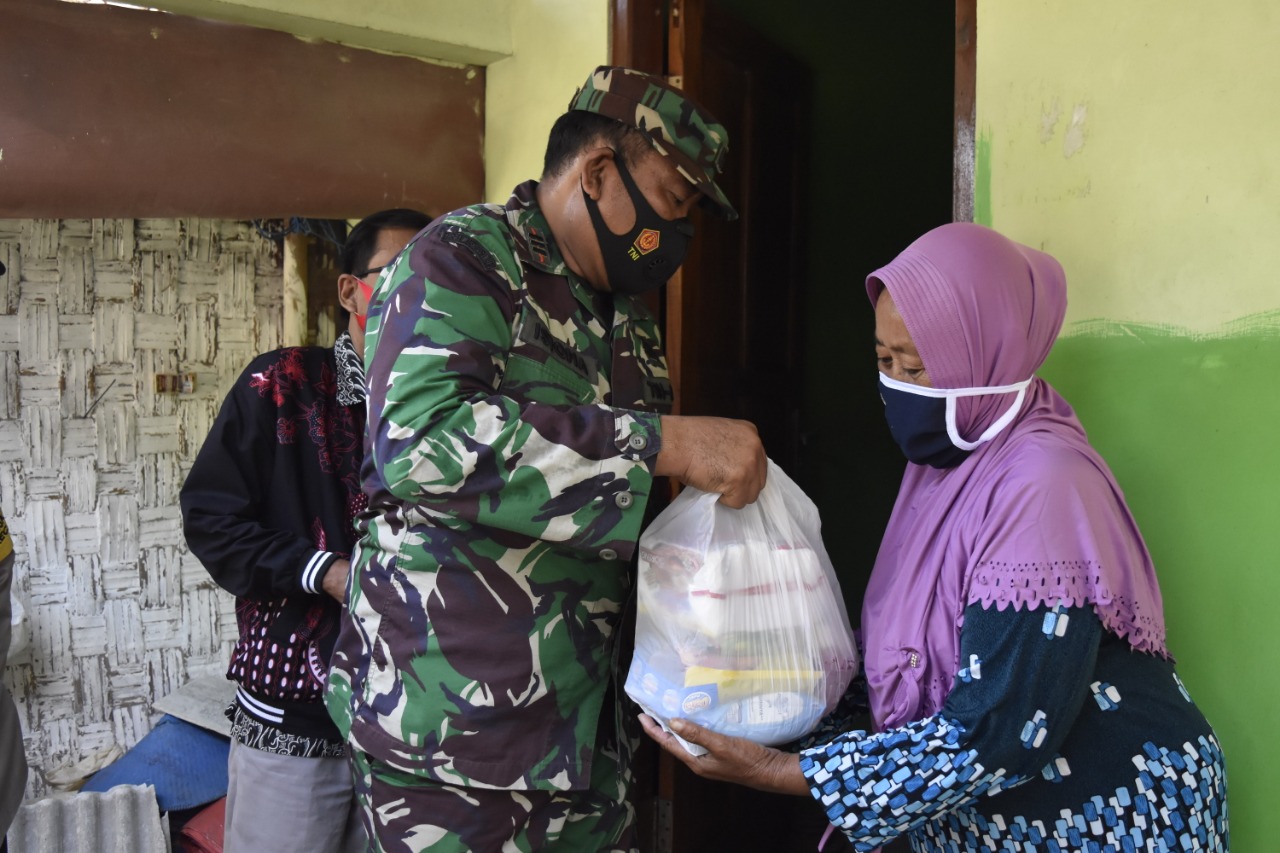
(644, 244)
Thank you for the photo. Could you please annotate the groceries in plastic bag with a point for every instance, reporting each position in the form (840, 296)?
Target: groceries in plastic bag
(741, 626)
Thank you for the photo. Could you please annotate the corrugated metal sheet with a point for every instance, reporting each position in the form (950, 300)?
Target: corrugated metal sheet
(125, 819)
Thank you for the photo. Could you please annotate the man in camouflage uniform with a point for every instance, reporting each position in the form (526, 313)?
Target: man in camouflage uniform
(517, 391)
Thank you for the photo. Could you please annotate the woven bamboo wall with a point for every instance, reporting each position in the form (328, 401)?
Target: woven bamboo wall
(92, 457)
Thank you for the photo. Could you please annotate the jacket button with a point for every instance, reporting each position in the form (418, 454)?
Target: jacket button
(608, 554)
(623, 500)
(638, 442)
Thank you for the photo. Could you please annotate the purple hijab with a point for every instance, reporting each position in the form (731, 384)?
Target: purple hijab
(1032, 517)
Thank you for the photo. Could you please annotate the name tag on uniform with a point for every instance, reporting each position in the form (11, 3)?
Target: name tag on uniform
(534, 332)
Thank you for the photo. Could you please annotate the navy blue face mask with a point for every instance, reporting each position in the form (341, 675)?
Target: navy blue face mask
(919, 426)
(923, 420)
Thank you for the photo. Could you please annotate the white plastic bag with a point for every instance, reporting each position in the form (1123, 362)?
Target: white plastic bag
(741, 626)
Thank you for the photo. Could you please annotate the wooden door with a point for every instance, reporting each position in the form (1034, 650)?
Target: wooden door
(730, 318)
(731, 312)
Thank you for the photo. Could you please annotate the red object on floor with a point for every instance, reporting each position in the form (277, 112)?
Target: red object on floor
(203, 833)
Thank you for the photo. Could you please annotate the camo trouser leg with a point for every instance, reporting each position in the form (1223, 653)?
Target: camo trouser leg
(408, 814)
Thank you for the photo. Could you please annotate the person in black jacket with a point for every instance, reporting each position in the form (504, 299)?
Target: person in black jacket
(268, 509)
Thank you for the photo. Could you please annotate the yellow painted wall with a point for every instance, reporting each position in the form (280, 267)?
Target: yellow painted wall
(555, 46)
(1137, 142)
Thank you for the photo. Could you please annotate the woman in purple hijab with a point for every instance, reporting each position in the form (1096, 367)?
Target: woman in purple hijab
(1021, 693)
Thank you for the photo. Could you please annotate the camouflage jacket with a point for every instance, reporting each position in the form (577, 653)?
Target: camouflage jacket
(511, 439)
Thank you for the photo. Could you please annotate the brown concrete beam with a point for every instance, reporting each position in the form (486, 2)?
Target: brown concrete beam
(475, 32)
(111, 112)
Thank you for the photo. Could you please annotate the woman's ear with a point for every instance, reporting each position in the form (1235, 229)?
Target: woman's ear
(593, 169)
(348, 285)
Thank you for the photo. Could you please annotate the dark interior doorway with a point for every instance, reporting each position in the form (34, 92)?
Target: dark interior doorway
(875, 143)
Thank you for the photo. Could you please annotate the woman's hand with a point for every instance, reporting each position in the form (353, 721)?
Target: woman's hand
(731, 759)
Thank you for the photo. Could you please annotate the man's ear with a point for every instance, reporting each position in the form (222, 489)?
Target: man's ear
(592, 169)
(347, 287)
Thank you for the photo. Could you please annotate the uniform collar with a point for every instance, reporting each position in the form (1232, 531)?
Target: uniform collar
(536, 247)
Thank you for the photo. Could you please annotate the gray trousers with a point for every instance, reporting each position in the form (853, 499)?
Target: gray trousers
(279, 803)
(13, 761)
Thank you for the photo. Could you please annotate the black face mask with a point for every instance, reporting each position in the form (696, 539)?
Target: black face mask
(649, 254)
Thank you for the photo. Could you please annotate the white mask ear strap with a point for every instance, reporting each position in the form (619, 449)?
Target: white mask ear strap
(993, 430)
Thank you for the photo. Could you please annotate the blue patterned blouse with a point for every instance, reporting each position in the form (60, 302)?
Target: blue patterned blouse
(1057, 736)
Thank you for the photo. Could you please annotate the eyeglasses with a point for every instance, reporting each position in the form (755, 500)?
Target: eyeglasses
(369, 271)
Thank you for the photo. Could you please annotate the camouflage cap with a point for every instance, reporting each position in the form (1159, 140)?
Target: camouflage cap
(680, 130)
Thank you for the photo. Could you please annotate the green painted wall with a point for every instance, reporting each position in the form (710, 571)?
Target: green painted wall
(1136, 142)
(1188, 426)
